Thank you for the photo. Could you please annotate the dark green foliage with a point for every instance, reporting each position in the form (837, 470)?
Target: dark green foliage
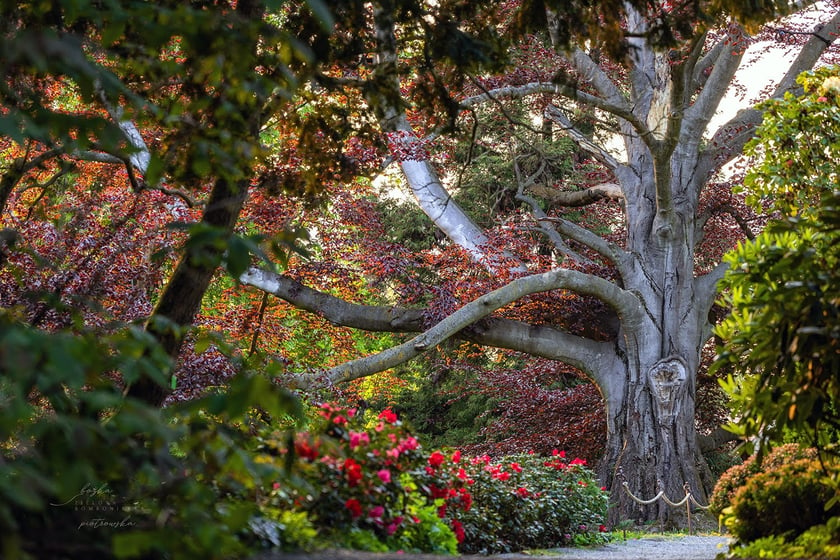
(783, 501)
(102, 475)
(448, 408)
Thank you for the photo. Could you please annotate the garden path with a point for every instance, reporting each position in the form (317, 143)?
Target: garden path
(654, 547)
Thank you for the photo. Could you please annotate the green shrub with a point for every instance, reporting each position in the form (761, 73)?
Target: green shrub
(737, 476)
(783, 501)
(821, 541)
(103, 475)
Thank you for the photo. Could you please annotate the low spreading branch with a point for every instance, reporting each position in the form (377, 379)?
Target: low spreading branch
(626, 304)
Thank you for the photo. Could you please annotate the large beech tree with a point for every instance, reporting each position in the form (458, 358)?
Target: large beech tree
(660, 100)
(404, 74)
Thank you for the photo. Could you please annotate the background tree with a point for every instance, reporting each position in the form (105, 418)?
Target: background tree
(658, 289)
(782, 335)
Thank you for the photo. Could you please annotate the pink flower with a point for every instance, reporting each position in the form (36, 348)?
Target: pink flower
(384, 475)
(358, 438)
(376, 512)
(408, 444)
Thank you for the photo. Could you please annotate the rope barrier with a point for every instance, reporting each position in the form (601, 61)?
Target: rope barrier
(687, 500)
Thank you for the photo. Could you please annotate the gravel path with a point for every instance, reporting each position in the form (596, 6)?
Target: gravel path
(648, 548)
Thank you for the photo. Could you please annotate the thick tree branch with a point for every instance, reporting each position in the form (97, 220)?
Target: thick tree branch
(576, 199)
(333, 309)
(699, 114)
(583, 353)
(626, 305)
(714, 440)
(702, 70)
(422, 178)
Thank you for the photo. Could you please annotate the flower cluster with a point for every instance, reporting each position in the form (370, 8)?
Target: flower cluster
(523, 501)
(369, 484)
(357, 484)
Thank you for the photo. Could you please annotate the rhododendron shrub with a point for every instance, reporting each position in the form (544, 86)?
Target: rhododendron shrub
(365, 482)
(521, 502)
(356, 483)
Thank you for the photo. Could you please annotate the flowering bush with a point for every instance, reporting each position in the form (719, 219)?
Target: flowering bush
(524, 501)
(372, 487)
(355, 482)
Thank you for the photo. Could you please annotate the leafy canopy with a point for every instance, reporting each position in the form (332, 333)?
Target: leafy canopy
(783, 336)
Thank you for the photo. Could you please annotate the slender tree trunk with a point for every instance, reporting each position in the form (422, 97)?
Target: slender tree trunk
(181, 299)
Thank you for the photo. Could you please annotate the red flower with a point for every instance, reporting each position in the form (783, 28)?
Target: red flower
(523, 492)
(516, 467)
(305, 450)
(436, 459)
(353, 471)
(502, 476)
(354, 507)
(578, 461)
(388, 416)
(458, 529)
(602, 528)
(456, 457)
